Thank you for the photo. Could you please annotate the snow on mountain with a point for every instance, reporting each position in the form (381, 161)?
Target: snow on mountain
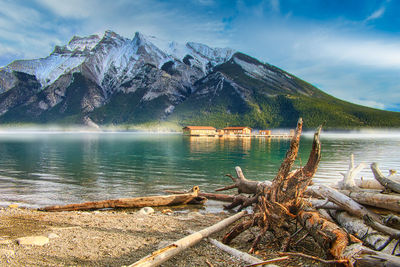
(83, 43)
(61, 60)
(197, 54)
(112, 59)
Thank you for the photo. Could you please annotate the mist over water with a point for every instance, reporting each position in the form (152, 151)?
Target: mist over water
(39, 168)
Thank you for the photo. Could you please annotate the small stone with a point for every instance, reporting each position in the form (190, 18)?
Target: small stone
(146, 211)
(7, 252)
(167, 211)
(96, 212)
(13, 206)
(53, 235)
(33, 240)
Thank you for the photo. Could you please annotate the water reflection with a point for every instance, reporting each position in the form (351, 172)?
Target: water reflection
(62, 168)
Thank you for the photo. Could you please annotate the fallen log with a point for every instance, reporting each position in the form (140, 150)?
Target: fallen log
(345, 202)
(389, 184)
(138, 202)
(368, 184)
(232, 251)
(366, 257)
(219, 197)
(355, 226)
(371, 219)
(374, 199)
(162, 255)
(323, 204)
(341, 245)
(327, 234)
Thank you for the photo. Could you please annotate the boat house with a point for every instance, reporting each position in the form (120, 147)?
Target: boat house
(237, 131)
(264, 132)
(199, 130)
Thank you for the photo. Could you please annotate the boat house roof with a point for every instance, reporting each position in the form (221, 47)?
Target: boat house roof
(236, 128)
(200, 128)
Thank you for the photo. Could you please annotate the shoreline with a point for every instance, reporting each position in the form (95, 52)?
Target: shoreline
(115, 238)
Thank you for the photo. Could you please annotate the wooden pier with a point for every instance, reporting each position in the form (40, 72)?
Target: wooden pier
(274, 136)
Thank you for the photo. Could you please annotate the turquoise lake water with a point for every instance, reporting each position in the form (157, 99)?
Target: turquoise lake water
(42, 168)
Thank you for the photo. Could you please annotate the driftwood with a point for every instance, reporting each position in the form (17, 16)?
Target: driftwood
(389, 184)
(162, 255)
(323, 204)
(138, 202)
(349, 177)
(359, 229)
(366, 257)
(375, 199)
(241, 183)
(232, 251)
(279, 204)
(219, 197)
(276, 205)
(345, 202)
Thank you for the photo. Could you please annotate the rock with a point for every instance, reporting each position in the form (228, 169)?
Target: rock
(167, 211)
(13, 206)
(146, 211)
(53, 235)
(7, 252)
(33, 240)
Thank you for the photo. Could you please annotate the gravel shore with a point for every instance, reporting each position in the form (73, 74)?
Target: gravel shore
(113, 238)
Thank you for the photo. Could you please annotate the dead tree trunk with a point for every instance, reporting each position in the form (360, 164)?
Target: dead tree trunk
(138, 202)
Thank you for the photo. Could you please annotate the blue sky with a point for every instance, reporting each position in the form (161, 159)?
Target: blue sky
(349, 49)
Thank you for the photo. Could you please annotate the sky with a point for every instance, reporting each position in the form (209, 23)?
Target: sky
(349, 49)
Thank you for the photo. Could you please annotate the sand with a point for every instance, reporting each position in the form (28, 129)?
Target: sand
(116, 238)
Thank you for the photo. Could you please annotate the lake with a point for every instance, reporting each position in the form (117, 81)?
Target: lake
(46, 168)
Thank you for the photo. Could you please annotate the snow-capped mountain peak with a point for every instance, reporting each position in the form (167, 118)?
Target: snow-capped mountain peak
(83, 43)
(111, 59)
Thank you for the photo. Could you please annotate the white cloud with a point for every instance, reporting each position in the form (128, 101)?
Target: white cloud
(376, 14)
(275, 5)
(361, 51)
(70, 8)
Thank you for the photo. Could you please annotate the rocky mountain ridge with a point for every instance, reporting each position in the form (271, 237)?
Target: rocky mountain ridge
(115, 80)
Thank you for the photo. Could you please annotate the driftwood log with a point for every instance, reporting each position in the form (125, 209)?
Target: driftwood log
(163, 254)
(357, 227)
(138, 202)
(219, 197)
(389, 184)
(375, 199)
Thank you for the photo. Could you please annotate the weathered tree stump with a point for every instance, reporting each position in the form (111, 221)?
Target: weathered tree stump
(280, 204)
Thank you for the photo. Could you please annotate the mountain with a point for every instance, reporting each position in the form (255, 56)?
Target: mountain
(112, 80)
